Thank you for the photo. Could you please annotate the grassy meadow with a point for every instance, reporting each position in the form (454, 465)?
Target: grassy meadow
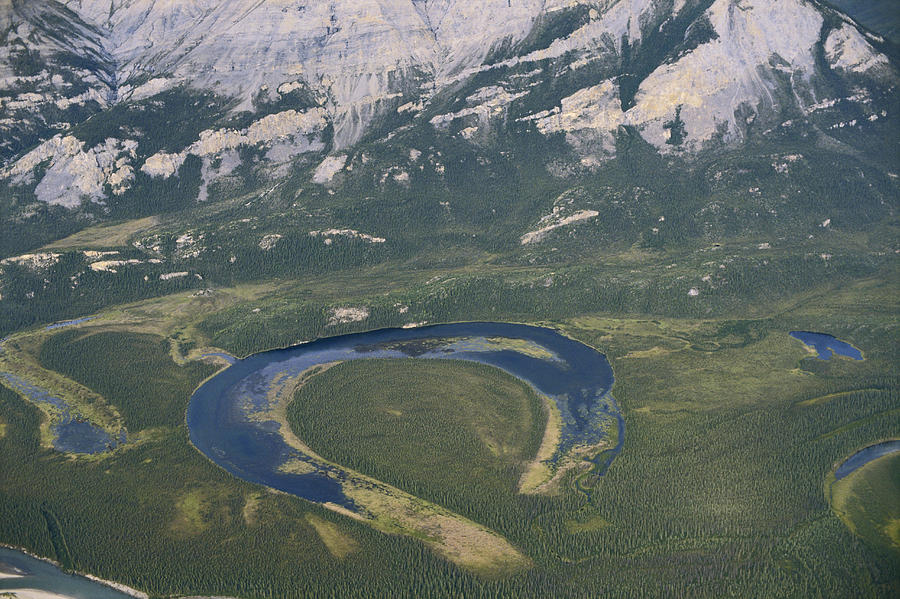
(455, 433)
(868, 502)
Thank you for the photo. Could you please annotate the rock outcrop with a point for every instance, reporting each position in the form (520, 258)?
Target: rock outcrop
(54, 71)
(320, 76)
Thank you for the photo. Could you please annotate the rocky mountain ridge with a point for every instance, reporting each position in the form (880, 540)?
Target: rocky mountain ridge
(298, 80)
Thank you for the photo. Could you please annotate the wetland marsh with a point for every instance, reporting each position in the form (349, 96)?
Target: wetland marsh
(699, 397)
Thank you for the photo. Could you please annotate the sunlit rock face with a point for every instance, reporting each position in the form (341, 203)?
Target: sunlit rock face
(75, 172)
(685, 75)
(365, 57)
(848, 50)
(360, 56)
(725, 83)
(54, 71)
(754, 50)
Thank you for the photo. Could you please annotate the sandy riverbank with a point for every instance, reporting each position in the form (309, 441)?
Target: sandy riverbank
(30, 594)
(20, 593)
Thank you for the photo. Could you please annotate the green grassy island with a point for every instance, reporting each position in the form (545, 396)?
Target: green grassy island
(456, 433)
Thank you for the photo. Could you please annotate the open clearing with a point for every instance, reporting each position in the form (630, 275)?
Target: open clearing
(105, 236)
(868, 502)
(390, 509)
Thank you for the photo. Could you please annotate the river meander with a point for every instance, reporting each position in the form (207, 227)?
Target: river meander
(864, 456)
(227, 415)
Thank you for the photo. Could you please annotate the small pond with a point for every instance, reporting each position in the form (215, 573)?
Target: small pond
(70, 433)
(827, 346)
(68, 323)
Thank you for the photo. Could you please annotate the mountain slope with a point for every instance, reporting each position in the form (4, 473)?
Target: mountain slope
(881, 16)
(391, 118)
(54, 71)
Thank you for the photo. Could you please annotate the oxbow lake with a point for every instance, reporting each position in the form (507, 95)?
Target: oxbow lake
(864, 456)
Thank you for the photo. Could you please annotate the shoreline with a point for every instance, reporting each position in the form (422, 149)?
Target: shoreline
(29, 593)
(117, 586)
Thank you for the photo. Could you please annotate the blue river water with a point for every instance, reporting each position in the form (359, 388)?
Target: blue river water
(226, 415)
(71, 434)
(68, 323)
(826, 345)
(31, 573)
(864, 456)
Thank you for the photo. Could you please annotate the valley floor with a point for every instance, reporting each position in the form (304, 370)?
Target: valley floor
(732, 428)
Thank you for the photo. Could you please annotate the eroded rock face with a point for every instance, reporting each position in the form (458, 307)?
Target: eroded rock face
(756, 41)
(359, 54)
(592, 113)
(847, 49)
(364, 57)
(74, 172)
(299, 130)
(684, 74)
(720, 87)
(54, 70)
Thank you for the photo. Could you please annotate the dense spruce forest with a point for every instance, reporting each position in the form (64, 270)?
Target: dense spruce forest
(759, 465)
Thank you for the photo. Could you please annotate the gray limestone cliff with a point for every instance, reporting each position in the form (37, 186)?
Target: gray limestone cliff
(300, 78)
